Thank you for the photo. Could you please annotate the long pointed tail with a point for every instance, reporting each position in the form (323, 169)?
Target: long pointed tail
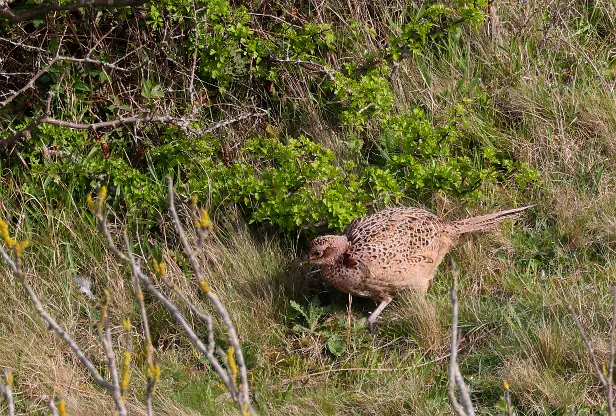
(484, 222)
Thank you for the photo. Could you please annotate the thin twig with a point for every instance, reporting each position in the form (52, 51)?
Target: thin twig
(104, 335)
(455, 376)
(193, 69)
(589, 348)
(605, 382)
(171, 307)
(610, 379)
(244, 398)
(93, 61)
(177, 315)
(508, 401)
(182, 123)
(30, 83)
(207, 351)
(52, 324)
(23, 45)
(146, 327)
(331, 73)
(51, 404)
(20, 16)
(7, 391)
(207, 319)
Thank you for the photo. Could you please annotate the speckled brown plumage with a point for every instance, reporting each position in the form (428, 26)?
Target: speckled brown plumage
(391, 250)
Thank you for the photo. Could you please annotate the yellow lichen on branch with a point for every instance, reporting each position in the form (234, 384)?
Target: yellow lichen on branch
(203, 221)
(159, 268)
(91, 204)
(62, 408)
(104, 309)
(17, 247)
(204, 286)
(231, 361)
(9, 379)
(152, 373)
(97, 207)
(125, 376)
(4, 232)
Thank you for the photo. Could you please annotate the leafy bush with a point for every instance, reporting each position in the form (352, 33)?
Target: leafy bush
(432, 23)
(290, 182)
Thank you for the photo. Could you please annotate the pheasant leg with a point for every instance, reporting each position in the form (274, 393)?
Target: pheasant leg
(371, 323)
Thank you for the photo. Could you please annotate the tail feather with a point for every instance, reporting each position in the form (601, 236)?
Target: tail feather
(484, 222)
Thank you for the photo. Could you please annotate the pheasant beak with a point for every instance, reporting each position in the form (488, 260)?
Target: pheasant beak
(303, 259)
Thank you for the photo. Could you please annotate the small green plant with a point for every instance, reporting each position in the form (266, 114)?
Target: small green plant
(314, 324)
(433, 22)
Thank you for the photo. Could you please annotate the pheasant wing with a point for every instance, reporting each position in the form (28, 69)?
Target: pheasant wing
(396, 231)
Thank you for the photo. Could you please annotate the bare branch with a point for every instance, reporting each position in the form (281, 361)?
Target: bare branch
(151, 380)
(193, 68)
(331, 73)
(171, 307)
(7, 391)
(20, 16)
(177, 315)
(455, 377)
(589, 348)
(104, 334)
(51, 323)
(207, 319)
(244, 398)
(101, 223)
(607, 384)
(182, 123)
(30, 83)
(45, 69)
(93, 61)
(23, 45)
(51, 403)
(508, 400)
(610, 376)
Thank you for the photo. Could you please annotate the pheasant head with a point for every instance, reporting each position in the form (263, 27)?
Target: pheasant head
(327, 249)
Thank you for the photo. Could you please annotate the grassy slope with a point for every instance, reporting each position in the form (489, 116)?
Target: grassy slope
(552, 104)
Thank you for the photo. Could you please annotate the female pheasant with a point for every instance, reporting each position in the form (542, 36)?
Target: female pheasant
(390, 250)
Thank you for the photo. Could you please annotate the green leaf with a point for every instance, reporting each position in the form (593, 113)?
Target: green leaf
(336, 345)
(299, 309)
(80, 86)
